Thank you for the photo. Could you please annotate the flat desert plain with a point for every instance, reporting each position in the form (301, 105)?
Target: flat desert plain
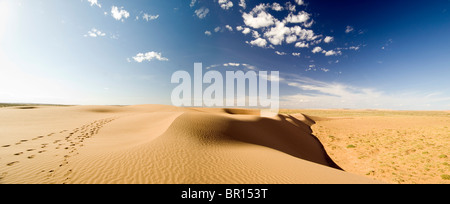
(157, 144)
(390, 146)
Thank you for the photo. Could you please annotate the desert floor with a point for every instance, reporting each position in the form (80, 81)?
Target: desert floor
(390, 146)
(165, 144)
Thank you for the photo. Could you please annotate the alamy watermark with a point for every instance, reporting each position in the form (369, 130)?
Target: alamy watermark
(213, 90)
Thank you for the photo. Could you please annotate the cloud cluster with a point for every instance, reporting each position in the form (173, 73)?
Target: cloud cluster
(280, 53)
(234, 64)
(95, 3)
(243, 4)
(349, 29)
(119, 14)
(149, 56)
(327, 53)
(294, 28)
(93, 33)
(328, 39)
(193, 3)
(226, 4)
(299, 2)
(148, 17)
(202, 12)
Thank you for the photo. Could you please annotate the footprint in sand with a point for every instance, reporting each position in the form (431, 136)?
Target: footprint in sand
(17, 154)
(3, 175)
(38, 137)
(31, 157)
(6, 146)
(68, 172)
(21, 141)
(30, 150)
(12, 163)
(42, 151)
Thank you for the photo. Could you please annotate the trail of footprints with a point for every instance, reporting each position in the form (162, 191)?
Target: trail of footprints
(69, 143)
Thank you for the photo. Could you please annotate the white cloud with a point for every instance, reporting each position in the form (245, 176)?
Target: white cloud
(290, 6)
(304, 34)
(317, 50)
(208, 33)
(242, 4)
(301, 45)
(356, 48)
(149, 56)
(259, 42)
(258, 17)
(293, 28)
(276, 35)
(296, 54)
(299, 2)
(308, 25)
(290, 39)
(328, 39)
(95, 33)
(217, 29)
(332, 53)
(239, 28)
(325, 70)
(193, 3)
(202, 12)
(280, 53)
(231, 64)
(301, 17)
(277, 7)
(228, 27)
(119, 14)
(246, 31)
(148, 17)
(95, 3)
(225, 4)
(349, 29)
(311, 68)
(255, 34)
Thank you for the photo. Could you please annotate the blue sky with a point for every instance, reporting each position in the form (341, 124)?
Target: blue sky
(330, 54)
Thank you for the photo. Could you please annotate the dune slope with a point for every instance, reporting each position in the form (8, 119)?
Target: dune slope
(160, 144)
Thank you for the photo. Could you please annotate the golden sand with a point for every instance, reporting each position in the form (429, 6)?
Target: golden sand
(161, 144)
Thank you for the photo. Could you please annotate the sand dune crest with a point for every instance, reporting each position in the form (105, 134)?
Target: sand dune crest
(162, 144)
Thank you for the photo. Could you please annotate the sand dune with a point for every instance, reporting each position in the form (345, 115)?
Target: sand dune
(160, 144)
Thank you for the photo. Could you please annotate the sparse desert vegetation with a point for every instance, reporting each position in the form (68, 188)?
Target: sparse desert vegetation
(391, 146)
